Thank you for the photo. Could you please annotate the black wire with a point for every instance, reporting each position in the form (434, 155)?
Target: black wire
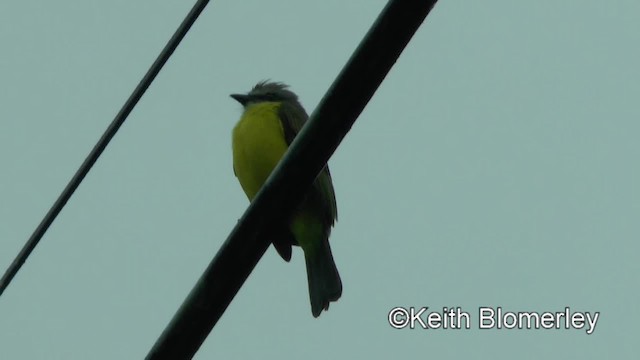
(102, 144)
(286, 185)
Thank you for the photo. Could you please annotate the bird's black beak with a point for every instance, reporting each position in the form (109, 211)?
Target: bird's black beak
(241, 98)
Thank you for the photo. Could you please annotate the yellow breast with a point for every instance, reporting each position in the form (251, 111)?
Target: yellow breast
(258, 145)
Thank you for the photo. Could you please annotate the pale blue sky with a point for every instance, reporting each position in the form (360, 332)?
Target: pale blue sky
(497, 165)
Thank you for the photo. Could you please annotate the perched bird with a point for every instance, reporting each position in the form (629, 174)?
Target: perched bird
(271, 119)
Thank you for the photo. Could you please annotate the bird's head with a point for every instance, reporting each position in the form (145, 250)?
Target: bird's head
(266, 91)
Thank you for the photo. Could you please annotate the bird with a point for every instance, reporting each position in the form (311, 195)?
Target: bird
(272, 117)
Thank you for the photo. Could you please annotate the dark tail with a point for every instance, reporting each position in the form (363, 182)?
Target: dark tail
(324, 281)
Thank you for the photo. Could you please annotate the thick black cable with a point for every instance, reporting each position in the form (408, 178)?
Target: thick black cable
(97, 150)
(286, 185)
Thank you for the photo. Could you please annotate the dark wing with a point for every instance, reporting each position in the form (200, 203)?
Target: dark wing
(293, 117)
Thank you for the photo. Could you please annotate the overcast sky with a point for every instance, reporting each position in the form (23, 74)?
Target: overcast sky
(496, 166)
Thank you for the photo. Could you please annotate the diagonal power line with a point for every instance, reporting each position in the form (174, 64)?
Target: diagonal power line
(284, 188)
(97, 150)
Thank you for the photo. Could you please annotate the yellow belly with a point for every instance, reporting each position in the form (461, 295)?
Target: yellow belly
(258, 145)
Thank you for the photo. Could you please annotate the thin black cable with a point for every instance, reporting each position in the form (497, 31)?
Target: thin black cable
(93, 156)
(284, 188)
